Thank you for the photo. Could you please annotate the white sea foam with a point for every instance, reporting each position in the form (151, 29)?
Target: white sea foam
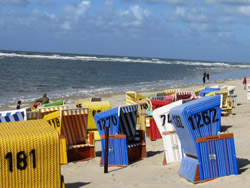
(125, 59)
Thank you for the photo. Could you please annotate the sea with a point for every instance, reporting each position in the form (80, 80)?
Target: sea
(26, 76)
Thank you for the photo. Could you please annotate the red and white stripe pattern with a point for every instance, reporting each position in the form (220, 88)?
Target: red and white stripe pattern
(74, 125)
(183, 95)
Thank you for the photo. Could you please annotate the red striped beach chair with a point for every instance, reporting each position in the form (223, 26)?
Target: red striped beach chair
(80, 144)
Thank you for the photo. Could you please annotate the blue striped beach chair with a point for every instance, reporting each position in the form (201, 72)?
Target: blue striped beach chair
(13, 115)
(126, 144)
(208, 154)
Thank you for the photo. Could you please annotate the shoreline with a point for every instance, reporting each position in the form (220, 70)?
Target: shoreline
(70, 100)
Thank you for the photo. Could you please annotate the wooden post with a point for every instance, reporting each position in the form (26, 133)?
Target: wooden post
(106, 149)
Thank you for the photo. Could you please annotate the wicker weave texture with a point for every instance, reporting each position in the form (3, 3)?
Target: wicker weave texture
(29, 155)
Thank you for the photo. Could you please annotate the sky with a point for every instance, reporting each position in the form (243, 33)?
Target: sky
(212, 30)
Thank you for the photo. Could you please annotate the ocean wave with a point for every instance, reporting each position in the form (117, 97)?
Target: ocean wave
(124, 60)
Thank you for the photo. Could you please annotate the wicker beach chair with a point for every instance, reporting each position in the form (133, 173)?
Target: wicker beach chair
(171, 142)
(126, 144)
(132, 97)
(73, 126)
(94, 108)
(29, 155)
(154, 131)
(207, 154)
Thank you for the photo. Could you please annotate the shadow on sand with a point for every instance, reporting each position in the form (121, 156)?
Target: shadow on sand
(242, 163)
(76, 184)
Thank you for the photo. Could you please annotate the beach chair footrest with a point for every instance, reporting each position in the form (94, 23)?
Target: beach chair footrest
(85, 152)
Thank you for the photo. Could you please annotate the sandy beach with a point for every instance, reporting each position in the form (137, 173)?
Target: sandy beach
(150, 172)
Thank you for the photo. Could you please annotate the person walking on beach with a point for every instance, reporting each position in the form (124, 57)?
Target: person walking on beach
(207, 76)
(244, 82)
(204, 78)
(18, 105)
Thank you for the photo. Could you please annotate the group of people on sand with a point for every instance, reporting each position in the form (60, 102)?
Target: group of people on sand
(36, 103)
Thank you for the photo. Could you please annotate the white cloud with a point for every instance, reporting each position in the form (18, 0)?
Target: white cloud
(243, 10)
(82, 8)
(66, 26)
(44, 15)
(134, 17)
(195, 14)
(78, 10)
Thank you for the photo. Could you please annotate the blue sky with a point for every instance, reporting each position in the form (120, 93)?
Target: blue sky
(217, 30)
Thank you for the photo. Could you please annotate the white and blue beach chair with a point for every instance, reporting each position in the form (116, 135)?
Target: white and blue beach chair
(13, 115)
(208, 154)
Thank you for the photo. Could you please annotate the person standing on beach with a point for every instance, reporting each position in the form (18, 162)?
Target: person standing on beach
(18, 105)
(244, 82)
(204, 78)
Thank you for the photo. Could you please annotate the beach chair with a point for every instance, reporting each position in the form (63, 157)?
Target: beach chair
(80, 143)
(94, 108)
(164, 98)
(205, 91)
(32, 115)
(144, 106)
(13, 115)
(46, 110)
(79, 102)
(227, 103)
(207, 154)
(132, 97)
(71, 125)
(171, 91)
(183, 95)
(29, 155)
(126, 144)
(154, 131)
(197, 91)
(171, 142)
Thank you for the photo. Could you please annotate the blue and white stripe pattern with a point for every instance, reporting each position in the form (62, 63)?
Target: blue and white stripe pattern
(198, 118)
(217, 158)
(13, 115)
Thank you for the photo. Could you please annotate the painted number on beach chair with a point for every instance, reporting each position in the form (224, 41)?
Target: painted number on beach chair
(177, 120)
(144, 106)
(164, 120)
(21, 157)
(95, 112)
(204, 117)
(54, 122)
(108, 120)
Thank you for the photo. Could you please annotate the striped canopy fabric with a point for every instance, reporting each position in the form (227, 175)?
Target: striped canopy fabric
(127, 122)
(74, 125)
(13, 115)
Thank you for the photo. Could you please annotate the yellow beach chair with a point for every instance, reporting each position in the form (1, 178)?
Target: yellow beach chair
(29, 155)
(94, 108)
(132, 97)
(172, 92)
(47, 110)
(197, 91)
(143, 105)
